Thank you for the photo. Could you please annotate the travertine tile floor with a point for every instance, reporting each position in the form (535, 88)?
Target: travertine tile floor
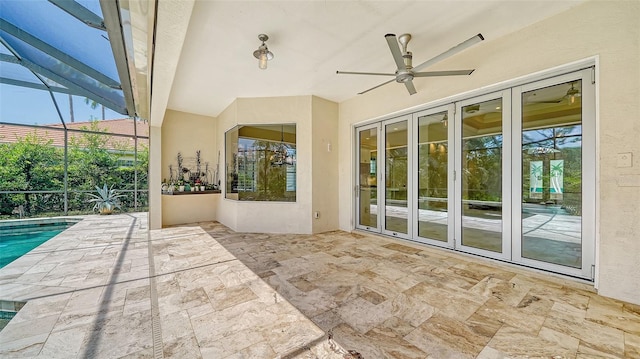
(93, 292)
(393, 299)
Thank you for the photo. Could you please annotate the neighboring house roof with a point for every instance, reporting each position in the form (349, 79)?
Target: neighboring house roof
(11, 133)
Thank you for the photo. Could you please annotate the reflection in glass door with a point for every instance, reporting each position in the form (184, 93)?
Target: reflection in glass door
(553, 134)
(367, 186)
(396, 177)
(508, 175)
(552, 172)
(481, 166)
(433, 176)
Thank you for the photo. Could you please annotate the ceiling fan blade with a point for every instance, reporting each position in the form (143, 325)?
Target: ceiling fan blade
(548, 101)
(373, 88)
(410, 87)
(442, 73)
(452, 51)
(363, 73)
(395, 51)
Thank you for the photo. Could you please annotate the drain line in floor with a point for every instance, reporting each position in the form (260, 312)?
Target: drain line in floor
(156, 329)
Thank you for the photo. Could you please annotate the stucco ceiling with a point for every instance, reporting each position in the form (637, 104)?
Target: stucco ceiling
(313, 39)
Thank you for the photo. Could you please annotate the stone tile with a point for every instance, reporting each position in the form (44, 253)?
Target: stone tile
(455, 303)
(258, 351)
(230, 297)
(327, 320)
(500, 289)
(631, 346)
(229, 345)
(614, 316)
(402, 248)
(183, 347)
(373, 297)
(182, 300)
(412, 309)
(587, 352)
(352, 313)
(63, 344)
(518, 343)
(442, 336)
(515, 317)
(592, 336)
(396, 325)
(491, 353)
(352, 339)
(25, 347)
(175, 326)
(240, 295)
(302, 284)
(393, 345)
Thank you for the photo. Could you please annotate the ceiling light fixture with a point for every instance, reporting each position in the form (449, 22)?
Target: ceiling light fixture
(572, 93)
(445, 121)
(262, 53)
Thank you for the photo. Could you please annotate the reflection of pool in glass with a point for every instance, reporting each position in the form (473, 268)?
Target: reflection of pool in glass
(19, 237)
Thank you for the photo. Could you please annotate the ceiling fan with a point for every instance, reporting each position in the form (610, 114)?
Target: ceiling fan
(570, 96)
(406, 72)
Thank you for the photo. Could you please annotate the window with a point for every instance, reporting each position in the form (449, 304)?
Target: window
(261, 163)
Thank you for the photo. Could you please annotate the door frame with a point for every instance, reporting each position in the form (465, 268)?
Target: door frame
(358, 130)
(588, 220)
(451, 148)
(506, 184)
(382, 185)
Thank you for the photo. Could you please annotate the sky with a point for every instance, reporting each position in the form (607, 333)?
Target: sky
(35, 107)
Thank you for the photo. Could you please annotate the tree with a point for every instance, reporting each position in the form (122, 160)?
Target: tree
(31, 164)
(93, 105)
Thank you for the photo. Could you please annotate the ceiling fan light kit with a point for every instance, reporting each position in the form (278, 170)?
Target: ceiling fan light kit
(405, 72)
(262, 53)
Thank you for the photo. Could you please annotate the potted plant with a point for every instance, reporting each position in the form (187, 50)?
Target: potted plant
(106, 200)
(180, 186)
(164, 186)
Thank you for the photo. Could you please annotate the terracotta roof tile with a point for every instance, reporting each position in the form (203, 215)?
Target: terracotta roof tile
(11, 133)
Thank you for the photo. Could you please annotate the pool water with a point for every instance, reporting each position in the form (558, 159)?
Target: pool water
(17, 241)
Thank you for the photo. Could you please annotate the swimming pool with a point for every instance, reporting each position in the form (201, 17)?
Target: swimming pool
(19, 237)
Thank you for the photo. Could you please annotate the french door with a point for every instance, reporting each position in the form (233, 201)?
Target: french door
(368, 176)
(483, 175)
(508, 175)
(554, 174)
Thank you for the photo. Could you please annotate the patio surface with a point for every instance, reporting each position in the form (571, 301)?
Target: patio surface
(109, 288)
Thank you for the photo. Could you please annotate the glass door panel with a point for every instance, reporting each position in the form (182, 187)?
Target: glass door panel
(551, 212)
(367, 186)
(433, 179)
(396, 165)
(481, 175)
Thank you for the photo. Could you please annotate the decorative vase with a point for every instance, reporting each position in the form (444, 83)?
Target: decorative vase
(180, 188)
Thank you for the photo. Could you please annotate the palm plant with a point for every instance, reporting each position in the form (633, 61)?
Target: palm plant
(107, 200)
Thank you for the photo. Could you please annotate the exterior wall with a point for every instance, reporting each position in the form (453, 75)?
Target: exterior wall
(608, 30)
(271, 217)
(187, 133)
(180, 209)
(155, 177)
(324, 115)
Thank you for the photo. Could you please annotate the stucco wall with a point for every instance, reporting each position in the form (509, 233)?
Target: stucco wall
(325, 164)
(187, 133)
(271, 217)
(608, 30)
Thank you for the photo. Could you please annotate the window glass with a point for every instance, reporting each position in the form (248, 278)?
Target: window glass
(261, 163)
